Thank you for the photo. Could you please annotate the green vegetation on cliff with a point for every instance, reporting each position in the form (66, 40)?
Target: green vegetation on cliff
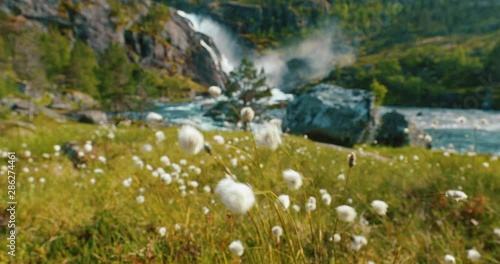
(426, 52)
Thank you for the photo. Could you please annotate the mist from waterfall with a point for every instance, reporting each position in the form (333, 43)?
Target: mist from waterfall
(322, 52)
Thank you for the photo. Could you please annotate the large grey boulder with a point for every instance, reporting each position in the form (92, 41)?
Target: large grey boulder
(90, 116)
(331, 114)
(82, 100)
(20, 106)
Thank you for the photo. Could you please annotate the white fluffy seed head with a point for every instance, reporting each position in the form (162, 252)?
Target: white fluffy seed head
(346, 213)
(496, 231)
(326, 198)
(147, 148)
(247, 114)
(473, 255)
(357, 242)
(127, 182)
(140, 199)
(236, 248)
(214, 91)
(162, 231)
(456, 194)
(237, 197)
(160, 136)
(219, 139)
(191, 140)
(293, 179)
(283, 202)
(449, 259)
(277, 231)
(380, 207)
(268, 136)
(165, 160)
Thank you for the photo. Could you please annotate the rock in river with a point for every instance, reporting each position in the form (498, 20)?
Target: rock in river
(331, 114)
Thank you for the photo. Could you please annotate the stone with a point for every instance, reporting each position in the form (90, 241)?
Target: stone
(82, 100)
(20, 106)
(332, 114)
(90, 116)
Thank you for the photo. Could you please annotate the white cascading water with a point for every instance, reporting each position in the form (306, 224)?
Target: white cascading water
(214, 57)
(225, 42)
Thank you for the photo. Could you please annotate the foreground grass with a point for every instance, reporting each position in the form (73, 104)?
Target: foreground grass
(67, 219)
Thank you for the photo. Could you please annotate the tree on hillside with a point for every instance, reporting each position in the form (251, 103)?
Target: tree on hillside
(379, 90)
(81, 69)
(114, 74)
(492, 65)
(56, 52)
(27, 63)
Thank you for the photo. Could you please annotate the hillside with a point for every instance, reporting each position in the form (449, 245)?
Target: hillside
(122, 52)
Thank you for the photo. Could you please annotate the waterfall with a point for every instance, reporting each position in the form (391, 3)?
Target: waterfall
(224, 40)
(319, 52)
(214, 57)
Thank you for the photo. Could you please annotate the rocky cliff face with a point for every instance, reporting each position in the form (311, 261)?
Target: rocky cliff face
(176, 47)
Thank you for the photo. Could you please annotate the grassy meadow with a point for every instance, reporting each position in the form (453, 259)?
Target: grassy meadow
(88, 215)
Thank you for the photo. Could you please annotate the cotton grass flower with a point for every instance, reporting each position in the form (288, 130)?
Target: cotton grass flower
(88, 147)
(127, 182)
(461, 120)
(283, 202)
(166, 178)
(456, 194)
(140, 199)
(473, 255)
(336, 238)
(346, 213)
(191, 140)
(311, 204)
(277, 232)
(160, 136)
(219, 139)
(496, 231)
(102, 159)
(357, 242)
(165, 160)
(163, 231)
(293, 179)
(236, 248)
(247, 114)
(380, 207)
(268, 136)
(449, 259)
(326, 198)
(237, 197)
(214, 91)
(147, 148)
